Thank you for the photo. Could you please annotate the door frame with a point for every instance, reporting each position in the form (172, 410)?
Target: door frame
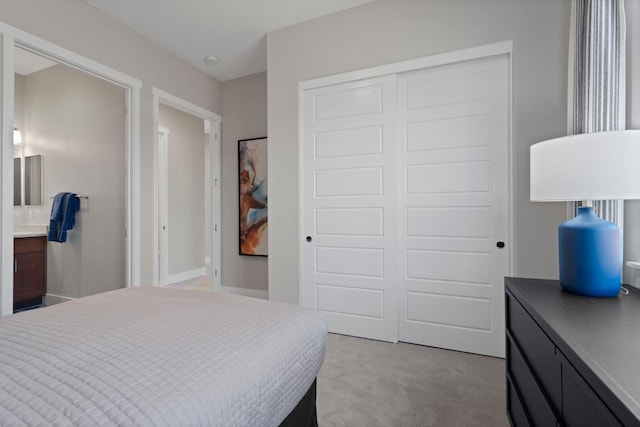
(13, 38)
(214, 120)
(484, 51)
(163, 206)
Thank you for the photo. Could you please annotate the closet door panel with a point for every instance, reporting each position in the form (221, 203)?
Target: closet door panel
(453, 199)
(349, 214)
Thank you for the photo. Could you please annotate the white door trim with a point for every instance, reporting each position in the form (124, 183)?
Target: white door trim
(163, 207)
(13, 37)
(411, 64)
(165, 98)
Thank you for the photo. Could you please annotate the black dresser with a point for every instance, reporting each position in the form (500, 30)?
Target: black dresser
(571, 360)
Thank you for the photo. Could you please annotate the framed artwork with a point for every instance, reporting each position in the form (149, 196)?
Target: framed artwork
(252, 185)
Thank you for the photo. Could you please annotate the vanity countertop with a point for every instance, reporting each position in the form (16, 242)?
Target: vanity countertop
(21, 231)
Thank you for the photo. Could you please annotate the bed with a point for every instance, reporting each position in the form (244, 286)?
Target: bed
(151, 356)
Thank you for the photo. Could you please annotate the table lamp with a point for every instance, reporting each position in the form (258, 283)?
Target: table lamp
(591, 166)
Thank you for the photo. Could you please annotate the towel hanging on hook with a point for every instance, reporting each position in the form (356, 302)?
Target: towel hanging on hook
(63, 216)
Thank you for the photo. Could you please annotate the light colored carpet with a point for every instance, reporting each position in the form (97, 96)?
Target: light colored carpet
(198, 284)
(365, 383)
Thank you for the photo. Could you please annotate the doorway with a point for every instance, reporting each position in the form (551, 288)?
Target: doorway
(182, 185)
(73, 124)
(12, 39)
(187, 193)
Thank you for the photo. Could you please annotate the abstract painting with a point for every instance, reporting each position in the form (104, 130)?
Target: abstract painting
(252, 183)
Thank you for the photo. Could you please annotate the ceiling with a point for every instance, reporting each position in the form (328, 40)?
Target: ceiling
(234, 31)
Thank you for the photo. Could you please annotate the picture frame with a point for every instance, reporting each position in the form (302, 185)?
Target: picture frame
(252, 197)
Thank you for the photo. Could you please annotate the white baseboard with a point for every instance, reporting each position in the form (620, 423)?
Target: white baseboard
(254, 293)
(186, 275)
(50, 299)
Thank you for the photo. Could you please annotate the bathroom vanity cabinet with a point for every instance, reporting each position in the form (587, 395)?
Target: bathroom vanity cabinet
(29, 271)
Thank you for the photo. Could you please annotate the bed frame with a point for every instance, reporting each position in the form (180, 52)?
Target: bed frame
(304, 414)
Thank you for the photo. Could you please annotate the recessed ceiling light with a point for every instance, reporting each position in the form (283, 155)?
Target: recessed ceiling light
(210, 59)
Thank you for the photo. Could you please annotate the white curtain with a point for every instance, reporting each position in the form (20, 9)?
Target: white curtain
(596, 98)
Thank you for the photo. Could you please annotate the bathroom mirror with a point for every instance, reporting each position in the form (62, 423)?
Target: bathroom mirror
(33, 180)
(17, 181)
(29, 174)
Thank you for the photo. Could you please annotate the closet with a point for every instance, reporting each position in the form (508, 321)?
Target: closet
(406, 202)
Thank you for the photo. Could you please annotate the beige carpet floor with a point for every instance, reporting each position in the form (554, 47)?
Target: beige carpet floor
(197, 284)
(365, 383)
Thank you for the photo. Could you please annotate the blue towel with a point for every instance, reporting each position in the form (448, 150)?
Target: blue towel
(63, 216)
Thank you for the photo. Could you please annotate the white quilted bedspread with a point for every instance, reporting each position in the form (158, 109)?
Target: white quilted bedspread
(158, 357)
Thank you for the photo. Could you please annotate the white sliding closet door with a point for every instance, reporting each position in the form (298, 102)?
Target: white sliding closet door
(406, 204)
(454, 128)
(349, 255)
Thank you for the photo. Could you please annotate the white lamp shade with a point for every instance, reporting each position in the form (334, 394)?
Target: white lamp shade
(591, 166)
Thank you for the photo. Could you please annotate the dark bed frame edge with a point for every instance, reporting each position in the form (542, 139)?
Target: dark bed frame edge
(304, 414)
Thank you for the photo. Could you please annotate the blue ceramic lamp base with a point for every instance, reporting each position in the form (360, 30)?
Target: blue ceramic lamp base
(589, 255)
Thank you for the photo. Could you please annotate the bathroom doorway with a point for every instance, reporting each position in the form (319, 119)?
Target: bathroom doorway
(129, 147)
(74, 124)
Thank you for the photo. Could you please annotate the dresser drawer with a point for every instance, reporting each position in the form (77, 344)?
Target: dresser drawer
(537, 349)
(581, 407)
(535, 402)
(517, 416)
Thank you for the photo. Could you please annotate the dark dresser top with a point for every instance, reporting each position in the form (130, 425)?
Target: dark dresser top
(599, 336)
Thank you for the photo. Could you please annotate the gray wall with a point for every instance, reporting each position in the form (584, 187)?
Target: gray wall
(18, 119)
(244, 111)
(76, 122)
(186, 161)
(384, 32)
(80, 28)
